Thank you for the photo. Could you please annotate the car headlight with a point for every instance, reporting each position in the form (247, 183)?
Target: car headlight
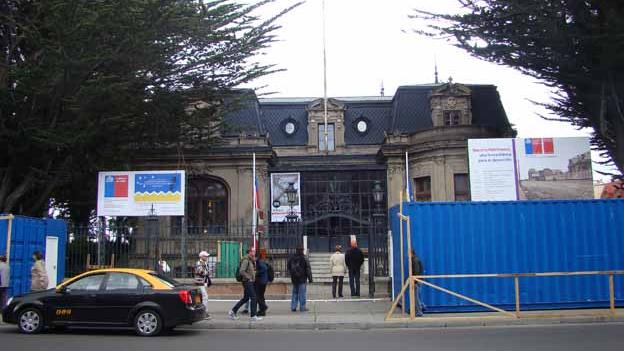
(9, 301)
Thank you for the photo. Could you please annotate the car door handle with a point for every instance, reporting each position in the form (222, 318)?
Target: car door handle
(92, 295)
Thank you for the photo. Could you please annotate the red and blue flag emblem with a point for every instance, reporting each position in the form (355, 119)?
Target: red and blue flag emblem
(116, 186)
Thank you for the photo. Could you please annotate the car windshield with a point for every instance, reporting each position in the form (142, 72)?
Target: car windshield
(165, 280)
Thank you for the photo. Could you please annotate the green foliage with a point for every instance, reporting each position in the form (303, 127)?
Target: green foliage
(84, 84)
(574, 46)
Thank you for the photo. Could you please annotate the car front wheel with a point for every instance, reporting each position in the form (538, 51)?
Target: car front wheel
(147, 323)
(30, 321)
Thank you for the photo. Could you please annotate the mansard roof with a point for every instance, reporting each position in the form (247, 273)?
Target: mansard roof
(408, 111)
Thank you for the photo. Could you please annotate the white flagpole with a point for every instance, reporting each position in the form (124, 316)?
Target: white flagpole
(325, 83)
(407, 180)
(254, 216)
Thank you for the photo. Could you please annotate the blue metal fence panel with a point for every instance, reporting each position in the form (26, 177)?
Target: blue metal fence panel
(27, 236)
(516, 237)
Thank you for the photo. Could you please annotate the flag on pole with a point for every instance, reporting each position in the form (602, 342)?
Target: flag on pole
(409, 193)
(255, 204)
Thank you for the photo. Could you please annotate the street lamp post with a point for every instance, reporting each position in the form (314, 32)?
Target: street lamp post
(152, 231)
(291, 217)
(291, 195)
(377, 215)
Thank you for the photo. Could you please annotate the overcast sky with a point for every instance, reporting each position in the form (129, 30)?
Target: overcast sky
(370, 42)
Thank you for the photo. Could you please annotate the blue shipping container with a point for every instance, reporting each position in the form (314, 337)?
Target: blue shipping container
(29, 235)
(515, 237)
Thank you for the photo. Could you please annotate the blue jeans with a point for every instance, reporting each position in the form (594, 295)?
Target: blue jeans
(298, 296)
(419, 303)
(354, 281)
(249, 295)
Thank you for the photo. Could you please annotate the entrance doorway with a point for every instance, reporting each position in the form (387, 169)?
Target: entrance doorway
(337, 205)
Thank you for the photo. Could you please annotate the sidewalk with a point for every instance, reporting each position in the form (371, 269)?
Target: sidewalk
(366, 314)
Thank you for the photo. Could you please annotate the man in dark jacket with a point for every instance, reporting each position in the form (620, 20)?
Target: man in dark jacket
(262, 279)
(247, 270)
(300, 274)
(417, 269)
(354, 259)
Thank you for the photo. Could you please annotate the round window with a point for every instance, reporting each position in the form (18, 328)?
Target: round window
(289, 128)
(362, 126)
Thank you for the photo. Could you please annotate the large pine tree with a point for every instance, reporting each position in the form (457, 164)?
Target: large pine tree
(82, 82)
(574, 46)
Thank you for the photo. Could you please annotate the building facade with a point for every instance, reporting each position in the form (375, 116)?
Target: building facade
(341, 169)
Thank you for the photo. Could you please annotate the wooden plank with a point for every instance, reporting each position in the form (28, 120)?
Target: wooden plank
(517, 290)
(528, 275)
(466, 298)
(611, 294)
(9, 233)
(409, 269)
(396, 302)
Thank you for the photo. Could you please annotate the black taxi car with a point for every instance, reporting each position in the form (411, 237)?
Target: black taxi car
(112, 297)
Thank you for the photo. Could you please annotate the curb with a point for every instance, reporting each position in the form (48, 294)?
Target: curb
(437, 323)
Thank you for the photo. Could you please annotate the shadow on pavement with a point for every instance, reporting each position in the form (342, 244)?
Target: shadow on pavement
(90, 331)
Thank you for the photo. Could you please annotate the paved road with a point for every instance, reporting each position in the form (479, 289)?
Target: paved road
(553, 338)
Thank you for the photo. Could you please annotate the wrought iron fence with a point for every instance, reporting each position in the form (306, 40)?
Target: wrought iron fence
(173, 251)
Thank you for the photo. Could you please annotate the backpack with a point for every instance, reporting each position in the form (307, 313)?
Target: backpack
(297, 268)
(270, 272)
(238, 275)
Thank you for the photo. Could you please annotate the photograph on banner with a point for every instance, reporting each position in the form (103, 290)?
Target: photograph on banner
(280, 208)
(554, 168)
(126, 193)
(492, 170)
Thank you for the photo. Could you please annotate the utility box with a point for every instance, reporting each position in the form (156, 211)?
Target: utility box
(21, 236)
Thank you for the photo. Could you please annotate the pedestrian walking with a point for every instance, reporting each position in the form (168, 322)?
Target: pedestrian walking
(247, 271)
(5, 274)
(38, 275)
(300, 274)
(354, 259)
(262, 280)
(202, 276)
(338, 269)
(417, 269)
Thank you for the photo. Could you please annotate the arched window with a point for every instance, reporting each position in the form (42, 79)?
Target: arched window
(207, 203)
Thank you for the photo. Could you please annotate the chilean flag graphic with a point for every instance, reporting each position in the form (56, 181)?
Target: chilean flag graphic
(116, 186)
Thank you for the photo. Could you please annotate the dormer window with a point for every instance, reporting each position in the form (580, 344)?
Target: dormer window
(452, 118)
(451, 105)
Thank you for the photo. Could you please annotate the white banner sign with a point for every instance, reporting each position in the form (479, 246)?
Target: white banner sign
(492, 170)
(280, 207)
(530, 169)
(136, 193)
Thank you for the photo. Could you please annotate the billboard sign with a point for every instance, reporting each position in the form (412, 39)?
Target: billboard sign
(530, 169)
(554, 168)
(492, 170)
(280, 208)
(136, 193)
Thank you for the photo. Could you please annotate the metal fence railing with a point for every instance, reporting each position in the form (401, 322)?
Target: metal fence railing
(174, 251)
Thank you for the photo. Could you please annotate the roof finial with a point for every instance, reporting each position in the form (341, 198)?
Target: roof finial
(435, 63)
(382, 89)
(451, 80)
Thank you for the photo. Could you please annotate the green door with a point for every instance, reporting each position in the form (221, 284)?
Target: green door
(230, 258)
